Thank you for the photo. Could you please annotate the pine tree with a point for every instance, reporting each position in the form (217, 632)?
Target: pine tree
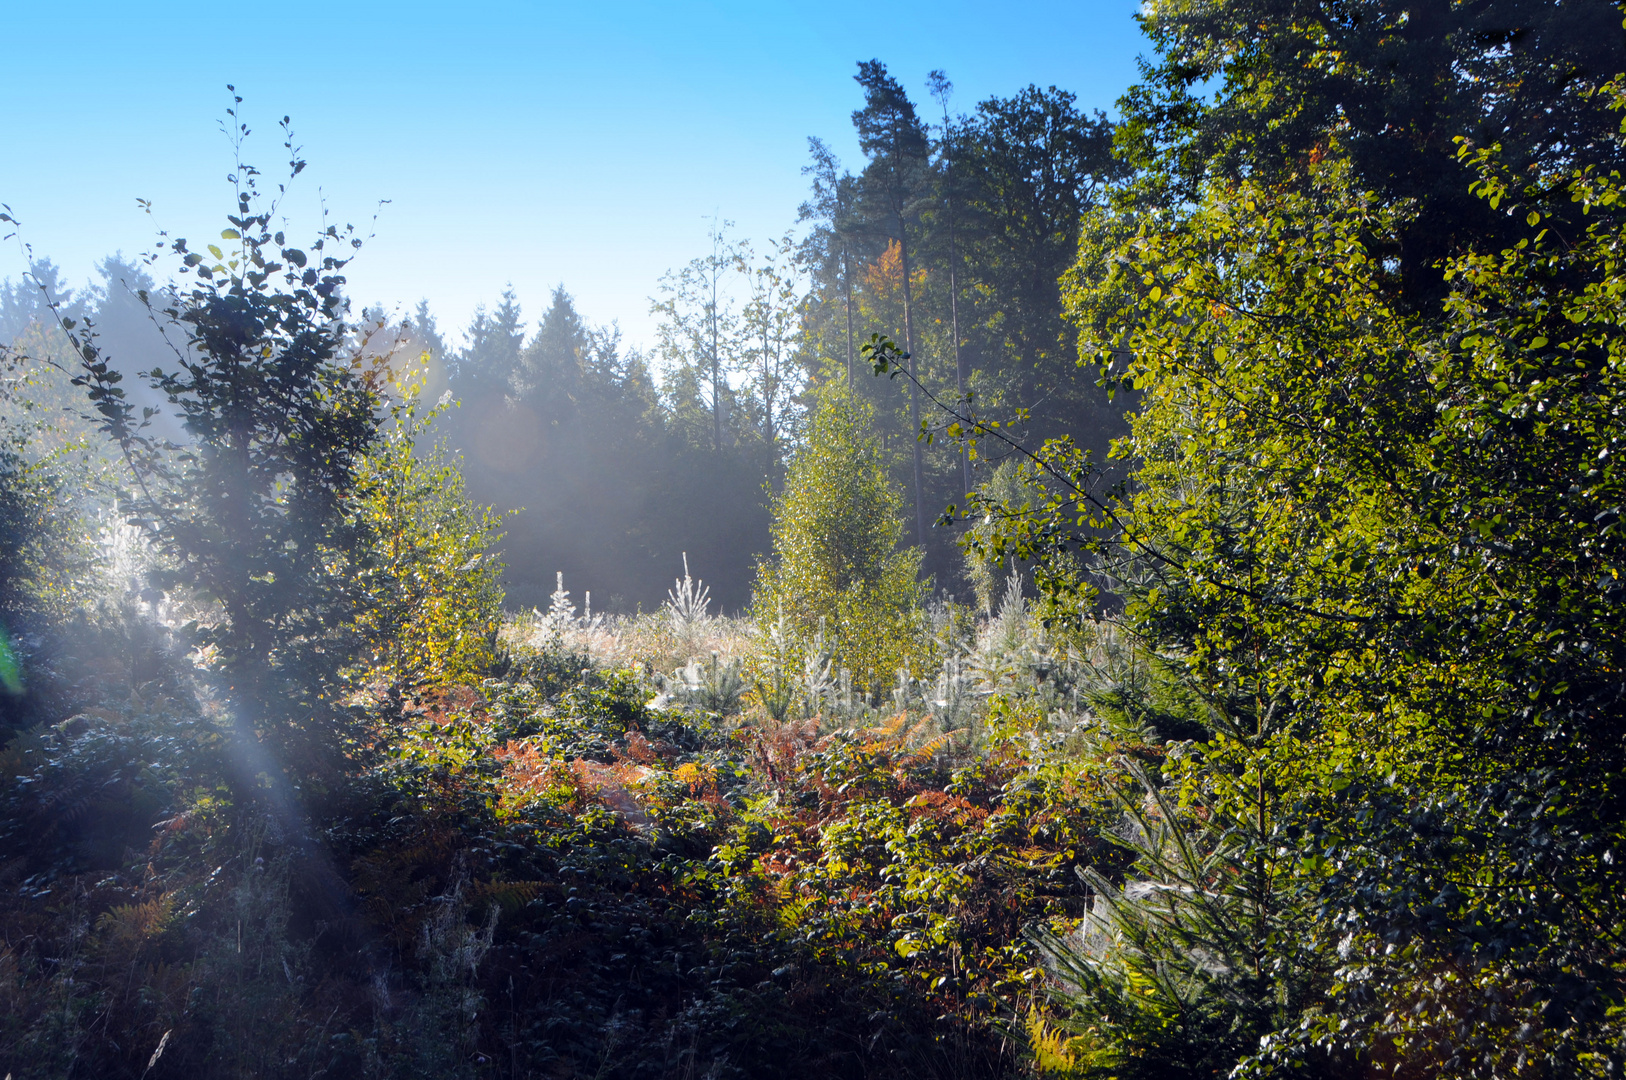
(549, 373)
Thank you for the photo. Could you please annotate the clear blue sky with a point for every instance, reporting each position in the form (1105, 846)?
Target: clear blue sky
(526, 142)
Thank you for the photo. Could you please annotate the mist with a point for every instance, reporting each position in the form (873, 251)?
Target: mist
(735, 564)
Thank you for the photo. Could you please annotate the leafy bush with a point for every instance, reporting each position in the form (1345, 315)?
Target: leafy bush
(837, 574)
(433, 605)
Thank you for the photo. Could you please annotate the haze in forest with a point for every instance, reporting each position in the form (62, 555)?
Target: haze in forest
(552, 225)
(947, 559)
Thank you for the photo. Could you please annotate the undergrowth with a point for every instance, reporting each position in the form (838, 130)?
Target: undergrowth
(568, 868)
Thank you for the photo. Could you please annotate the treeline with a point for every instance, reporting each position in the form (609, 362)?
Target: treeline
(951, 239)
(608, 473)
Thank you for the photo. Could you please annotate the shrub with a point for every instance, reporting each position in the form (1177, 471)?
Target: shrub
(837, 569)
(434, 599)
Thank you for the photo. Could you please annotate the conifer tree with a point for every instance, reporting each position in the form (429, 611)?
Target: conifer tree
(486, 366)
(894, 183)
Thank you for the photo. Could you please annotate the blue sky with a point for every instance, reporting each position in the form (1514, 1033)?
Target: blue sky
(525, 142)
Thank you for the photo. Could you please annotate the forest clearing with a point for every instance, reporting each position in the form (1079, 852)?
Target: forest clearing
(1100, 597)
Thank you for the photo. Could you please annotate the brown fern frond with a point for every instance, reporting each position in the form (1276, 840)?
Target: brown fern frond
(509, 895)
(927, 750)
(137, 922)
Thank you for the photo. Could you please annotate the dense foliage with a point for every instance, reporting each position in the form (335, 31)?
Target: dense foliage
(1376, 545)
(1393, 86)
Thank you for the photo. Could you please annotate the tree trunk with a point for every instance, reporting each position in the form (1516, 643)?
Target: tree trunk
(716, 388)
(847, 288)
(914, 388)
(768, 387)
(954, 328)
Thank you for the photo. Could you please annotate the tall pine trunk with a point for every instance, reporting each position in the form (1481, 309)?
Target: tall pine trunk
(914, 384)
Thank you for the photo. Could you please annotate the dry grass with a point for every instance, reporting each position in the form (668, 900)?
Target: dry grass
(681, 631)
(648, 643)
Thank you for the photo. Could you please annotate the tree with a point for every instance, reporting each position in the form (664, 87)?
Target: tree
(1376, 545)
(1031, 167)
(133, 339)
(698, 320)
(486, 366)
(424, 339)
(837, 571)
(893, 183)
(942, 90)
(1390, 85)
(551, 367)
(771, 325)
(46, 559)
(22, 303)
(252, 511)
(832, 247)
(122, 325)
(434, 602)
